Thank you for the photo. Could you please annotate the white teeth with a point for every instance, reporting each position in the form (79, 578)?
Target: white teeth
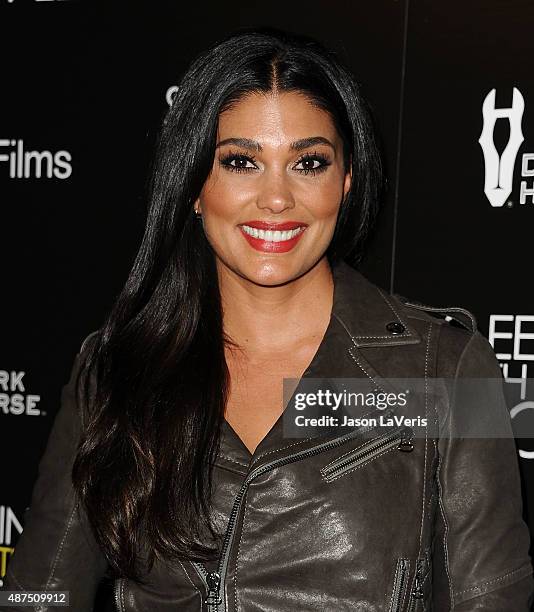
(271, 235)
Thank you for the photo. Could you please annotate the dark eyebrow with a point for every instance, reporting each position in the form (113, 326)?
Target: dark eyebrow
(246, 143)
(304, 143)
(298, 145)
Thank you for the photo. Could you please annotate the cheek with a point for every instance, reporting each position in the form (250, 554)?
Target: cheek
(324, 200)
(222, 200)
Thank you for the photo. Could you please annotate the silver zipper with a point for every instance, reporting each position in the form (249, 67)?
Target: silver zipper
(398, 586)
(368, 450)
(417, 590)
(116, 589)
(216, 598)
(211, 582)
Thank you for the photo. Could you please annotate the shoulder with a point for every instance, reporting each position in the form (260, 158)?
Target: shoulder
(89, 342)
(461, 348)
(376, 316)
(82, 362)
(455, 316)
(80, 389)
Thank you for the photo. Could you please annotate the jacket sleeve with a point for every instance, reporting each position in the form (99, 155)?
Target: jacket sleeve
(481, 545)
(56, 550)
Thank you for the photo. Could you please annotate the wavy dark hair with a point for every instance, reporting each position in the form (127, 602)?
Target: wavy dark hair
(154, 415)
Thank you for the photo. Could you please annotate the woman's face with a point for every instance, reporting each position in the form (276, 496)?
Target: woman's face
(270, 203)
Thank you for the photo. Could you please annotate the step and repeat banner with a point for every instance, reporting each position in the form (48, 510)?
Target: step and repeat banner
(84, 88)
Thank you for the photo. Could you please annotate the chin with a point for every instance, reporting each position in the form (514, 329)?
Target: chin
(272, 273)
(268, 274)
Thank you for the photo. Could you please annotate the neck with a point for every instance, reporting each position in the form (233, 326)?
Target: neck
(271, 319)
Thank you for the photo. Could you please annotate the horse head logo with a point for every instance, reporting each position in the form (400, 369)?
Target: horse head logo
(499, 171)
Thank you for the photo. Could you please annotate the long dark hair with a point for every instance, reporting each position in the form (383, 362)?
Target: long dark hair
(154, 415)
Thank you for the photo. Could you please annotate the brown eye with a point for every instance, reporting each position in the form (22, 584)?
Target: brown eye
(309, 164)
(238, 162)
(312, 163)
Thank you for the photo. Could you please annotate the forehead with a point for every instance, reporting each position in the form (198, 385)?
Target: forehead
(275, 117)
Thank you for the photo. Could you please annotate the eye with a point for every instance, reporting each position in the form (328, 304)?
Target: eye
(237, 162)
(314, 163)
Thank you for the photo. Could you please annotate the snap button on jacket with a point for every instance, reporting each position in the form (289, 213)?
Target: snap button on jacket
(324, 523)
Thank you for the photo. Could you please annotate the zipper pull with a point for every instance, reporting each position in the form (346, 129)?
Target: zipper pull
(417, 591)
(406, 443)
(213, 580)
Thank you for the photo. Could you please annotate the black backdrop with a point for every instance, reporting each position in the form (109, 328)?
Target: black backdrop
(84, 85)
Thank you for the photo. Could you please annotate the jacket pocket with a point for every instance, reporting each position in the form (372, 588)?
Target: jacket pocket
(400, 438)
(400, 585)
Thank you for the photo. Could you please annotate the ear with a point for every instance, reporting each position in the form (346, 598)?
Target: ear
(348, 179)
(196, 206)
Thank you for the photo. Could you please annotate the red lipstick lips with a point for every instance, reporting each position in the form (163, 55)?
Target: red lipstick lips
(271, 237)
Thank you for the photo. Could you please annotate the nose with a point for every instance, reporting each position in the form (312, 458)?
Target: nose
(275, 194)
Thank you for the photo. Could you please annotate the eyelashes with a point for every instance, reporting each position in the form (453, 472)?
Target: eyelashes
(243, 160)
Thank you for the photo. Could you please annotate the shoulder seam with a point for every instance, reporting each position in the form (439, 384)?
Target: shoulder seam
(472, 326)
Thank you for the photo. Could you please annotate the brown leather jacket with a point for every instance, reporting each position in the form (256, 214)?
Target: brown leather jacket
(438, 528)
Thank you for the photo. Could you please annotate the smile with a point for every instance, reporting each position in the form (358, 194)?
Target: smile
(272, 237)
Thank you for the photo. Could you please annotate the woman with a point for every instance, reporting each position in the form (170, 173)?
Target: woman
(184, 488)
